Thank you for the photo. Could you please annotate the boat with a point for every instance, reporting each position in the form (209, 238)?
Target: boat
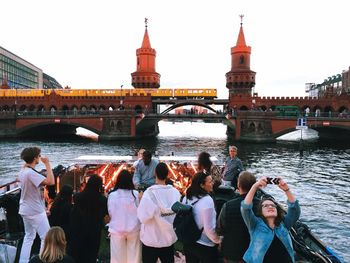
(307, 246)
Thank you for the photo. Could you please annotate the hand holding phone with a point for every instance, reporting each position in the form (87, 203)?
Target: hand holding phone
(273, 180)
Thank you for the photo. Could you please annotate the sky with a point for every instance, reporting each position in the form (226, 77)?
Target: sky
(92, 44)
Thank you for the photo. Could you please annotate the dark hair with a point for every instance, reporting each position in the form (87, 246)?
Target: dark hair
(147, 157)
(280, 212)
(195, 188)
(65, 194)
(162, 171)
(204, 161)
(246, 180)
(124, 181)
(63, 197)
(89, 200)
(94, 184)
(147, 154)
(30, 153)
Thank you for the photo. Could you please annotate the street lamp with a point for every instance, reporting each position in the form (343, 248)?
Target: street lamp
(121, 97)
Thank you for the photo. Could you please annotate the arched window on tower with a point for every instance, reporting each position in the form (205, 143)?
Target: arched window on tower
(241, 59)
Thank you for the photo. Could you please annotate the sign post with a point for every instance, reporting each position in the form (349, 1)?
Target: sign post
(301, 125)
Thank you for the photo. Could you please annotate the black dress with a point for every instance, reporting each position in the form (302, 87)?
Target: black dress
(60, 216)
(86, 222)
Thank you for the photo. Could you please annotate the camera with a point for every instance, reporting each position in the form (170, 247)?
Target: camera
(273, 180)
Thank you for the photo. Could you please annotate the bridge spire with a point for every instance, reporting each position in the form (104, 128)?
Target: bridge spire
(240, 79)
(145, 75)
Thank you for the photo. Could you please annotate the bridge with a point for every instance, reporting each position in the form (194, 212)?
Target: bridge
(254, 126)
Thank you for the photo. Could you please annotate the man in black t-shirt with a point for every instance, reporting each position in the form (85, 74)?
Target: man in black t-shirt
(231, 225)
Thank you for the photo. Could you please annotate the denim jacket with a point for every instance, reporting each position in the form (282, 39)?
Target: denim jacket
(261, 235)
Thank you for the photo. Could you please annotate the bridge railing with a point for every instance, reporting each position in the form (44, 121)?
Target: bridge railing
(80, 113)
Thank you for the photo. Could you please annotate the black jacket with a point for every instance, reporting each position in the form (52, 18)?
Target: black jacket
(232, 227)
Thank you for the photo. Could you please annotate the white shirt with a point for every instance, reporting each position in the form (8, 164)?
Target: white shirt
(205, 217)
(122, 208)
(157, 217)
(32, 199)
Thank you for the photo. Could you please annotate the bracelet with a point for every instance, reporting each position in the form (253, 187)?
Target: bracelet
(286, 190)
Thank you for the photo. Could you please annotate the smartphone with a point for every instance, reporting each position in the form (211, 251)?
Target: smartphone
(273, 180)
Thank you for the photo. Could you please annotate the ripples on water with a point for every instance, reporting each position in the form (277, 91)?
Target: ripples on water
(320, 178)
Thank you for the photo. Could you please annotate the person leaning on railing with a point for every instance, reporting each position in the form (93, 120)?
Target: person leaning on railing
(270, 239)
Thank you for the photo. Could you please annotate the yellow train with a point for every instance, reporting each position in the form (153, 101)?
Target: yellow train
(156, 93)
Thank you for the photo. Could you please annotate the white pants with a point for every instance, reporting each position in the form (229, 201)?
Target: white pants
(126, 248)
(32, 225)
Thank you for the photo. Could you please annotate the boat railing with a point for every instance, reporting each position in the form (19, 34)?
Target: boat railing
(9, 187)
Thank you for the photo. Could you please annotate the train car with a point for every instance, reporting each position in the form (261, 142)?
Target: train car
(69, 92)
(195, 93)
(30, 92)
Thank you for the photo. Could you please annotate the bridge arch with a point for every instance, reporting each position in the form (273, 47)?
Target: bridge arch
(316, 107)
(47, 127)
(342, 109)
(138, 109)
(328, 109)
(188, 103)
(31, 107)
(23, 108)
(93, 108)
(41, 108)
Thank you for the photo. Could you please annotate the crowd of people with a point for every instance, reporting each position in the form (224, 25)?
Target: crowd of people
(139, 216)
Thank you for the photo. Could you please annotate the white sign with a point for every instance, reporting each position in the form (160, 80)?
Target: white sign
(301, 127)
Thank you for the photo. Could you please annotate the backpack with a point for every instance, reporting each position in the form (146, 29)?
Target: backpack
(185, 226)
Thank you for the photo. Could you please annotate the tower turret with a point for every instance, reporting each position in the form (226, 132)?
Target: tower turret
(145, 75)
(240, 80)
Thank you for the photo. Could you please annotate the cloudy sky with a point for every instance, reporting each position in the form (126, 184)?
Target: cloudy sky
(92, 44)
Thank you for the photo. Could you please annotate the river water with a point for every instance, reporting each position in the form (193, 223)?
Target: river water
(320, 178)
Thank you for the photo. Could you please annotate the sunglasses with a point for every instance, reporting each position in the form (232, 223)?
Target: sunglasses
(269, 206)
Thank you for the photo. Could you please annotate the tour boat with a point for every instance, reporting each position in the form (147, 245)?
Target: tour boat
(181, 169)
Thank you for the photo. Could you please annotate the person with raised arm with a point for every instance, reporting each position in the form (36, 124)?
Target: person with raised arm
(269, 231)
(31, 203)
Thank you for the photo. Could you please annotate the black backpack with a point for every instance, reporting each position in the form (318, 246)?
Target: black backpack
(185, 226)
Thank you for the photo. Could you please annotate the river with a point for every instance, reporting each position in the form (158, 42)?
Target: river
(320, 178)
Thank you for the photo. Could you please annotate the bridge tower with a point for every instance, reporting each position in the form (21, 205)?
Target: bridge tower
(240, 79)
(145, 75)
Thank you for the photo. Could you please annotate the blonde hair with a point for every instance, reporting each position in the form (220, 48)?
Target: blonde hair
(54, 246)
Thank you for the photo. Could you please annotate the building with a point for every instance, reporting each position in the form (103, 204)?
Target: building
(145, 75)
(335, 85)
(20, 74)
(240, 79)
(50, 82)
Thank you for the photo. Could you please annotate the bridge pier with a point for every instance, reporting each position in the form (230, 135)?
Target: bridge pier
(125, 128)
(252, 128)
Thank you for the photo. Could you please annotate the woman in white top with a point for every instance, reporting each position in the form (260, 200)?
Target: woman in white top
(204, 249)
(124, 227)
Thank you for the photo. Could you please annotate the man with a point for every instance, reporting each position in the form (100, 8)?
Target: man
(154, 212)
(233, 167)
(231, 225)
(31, 204)
(144, 171)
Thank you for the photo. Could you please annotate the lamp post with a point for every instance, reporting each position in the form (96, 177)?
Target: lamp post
(121, 107)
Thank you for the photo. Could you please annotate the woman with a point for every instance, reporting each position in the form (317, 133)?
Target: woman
(89, 210)
(203, 250)
(206, 165)
(124, 227)
(54, 250)
(269, 238)
(61, 209)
